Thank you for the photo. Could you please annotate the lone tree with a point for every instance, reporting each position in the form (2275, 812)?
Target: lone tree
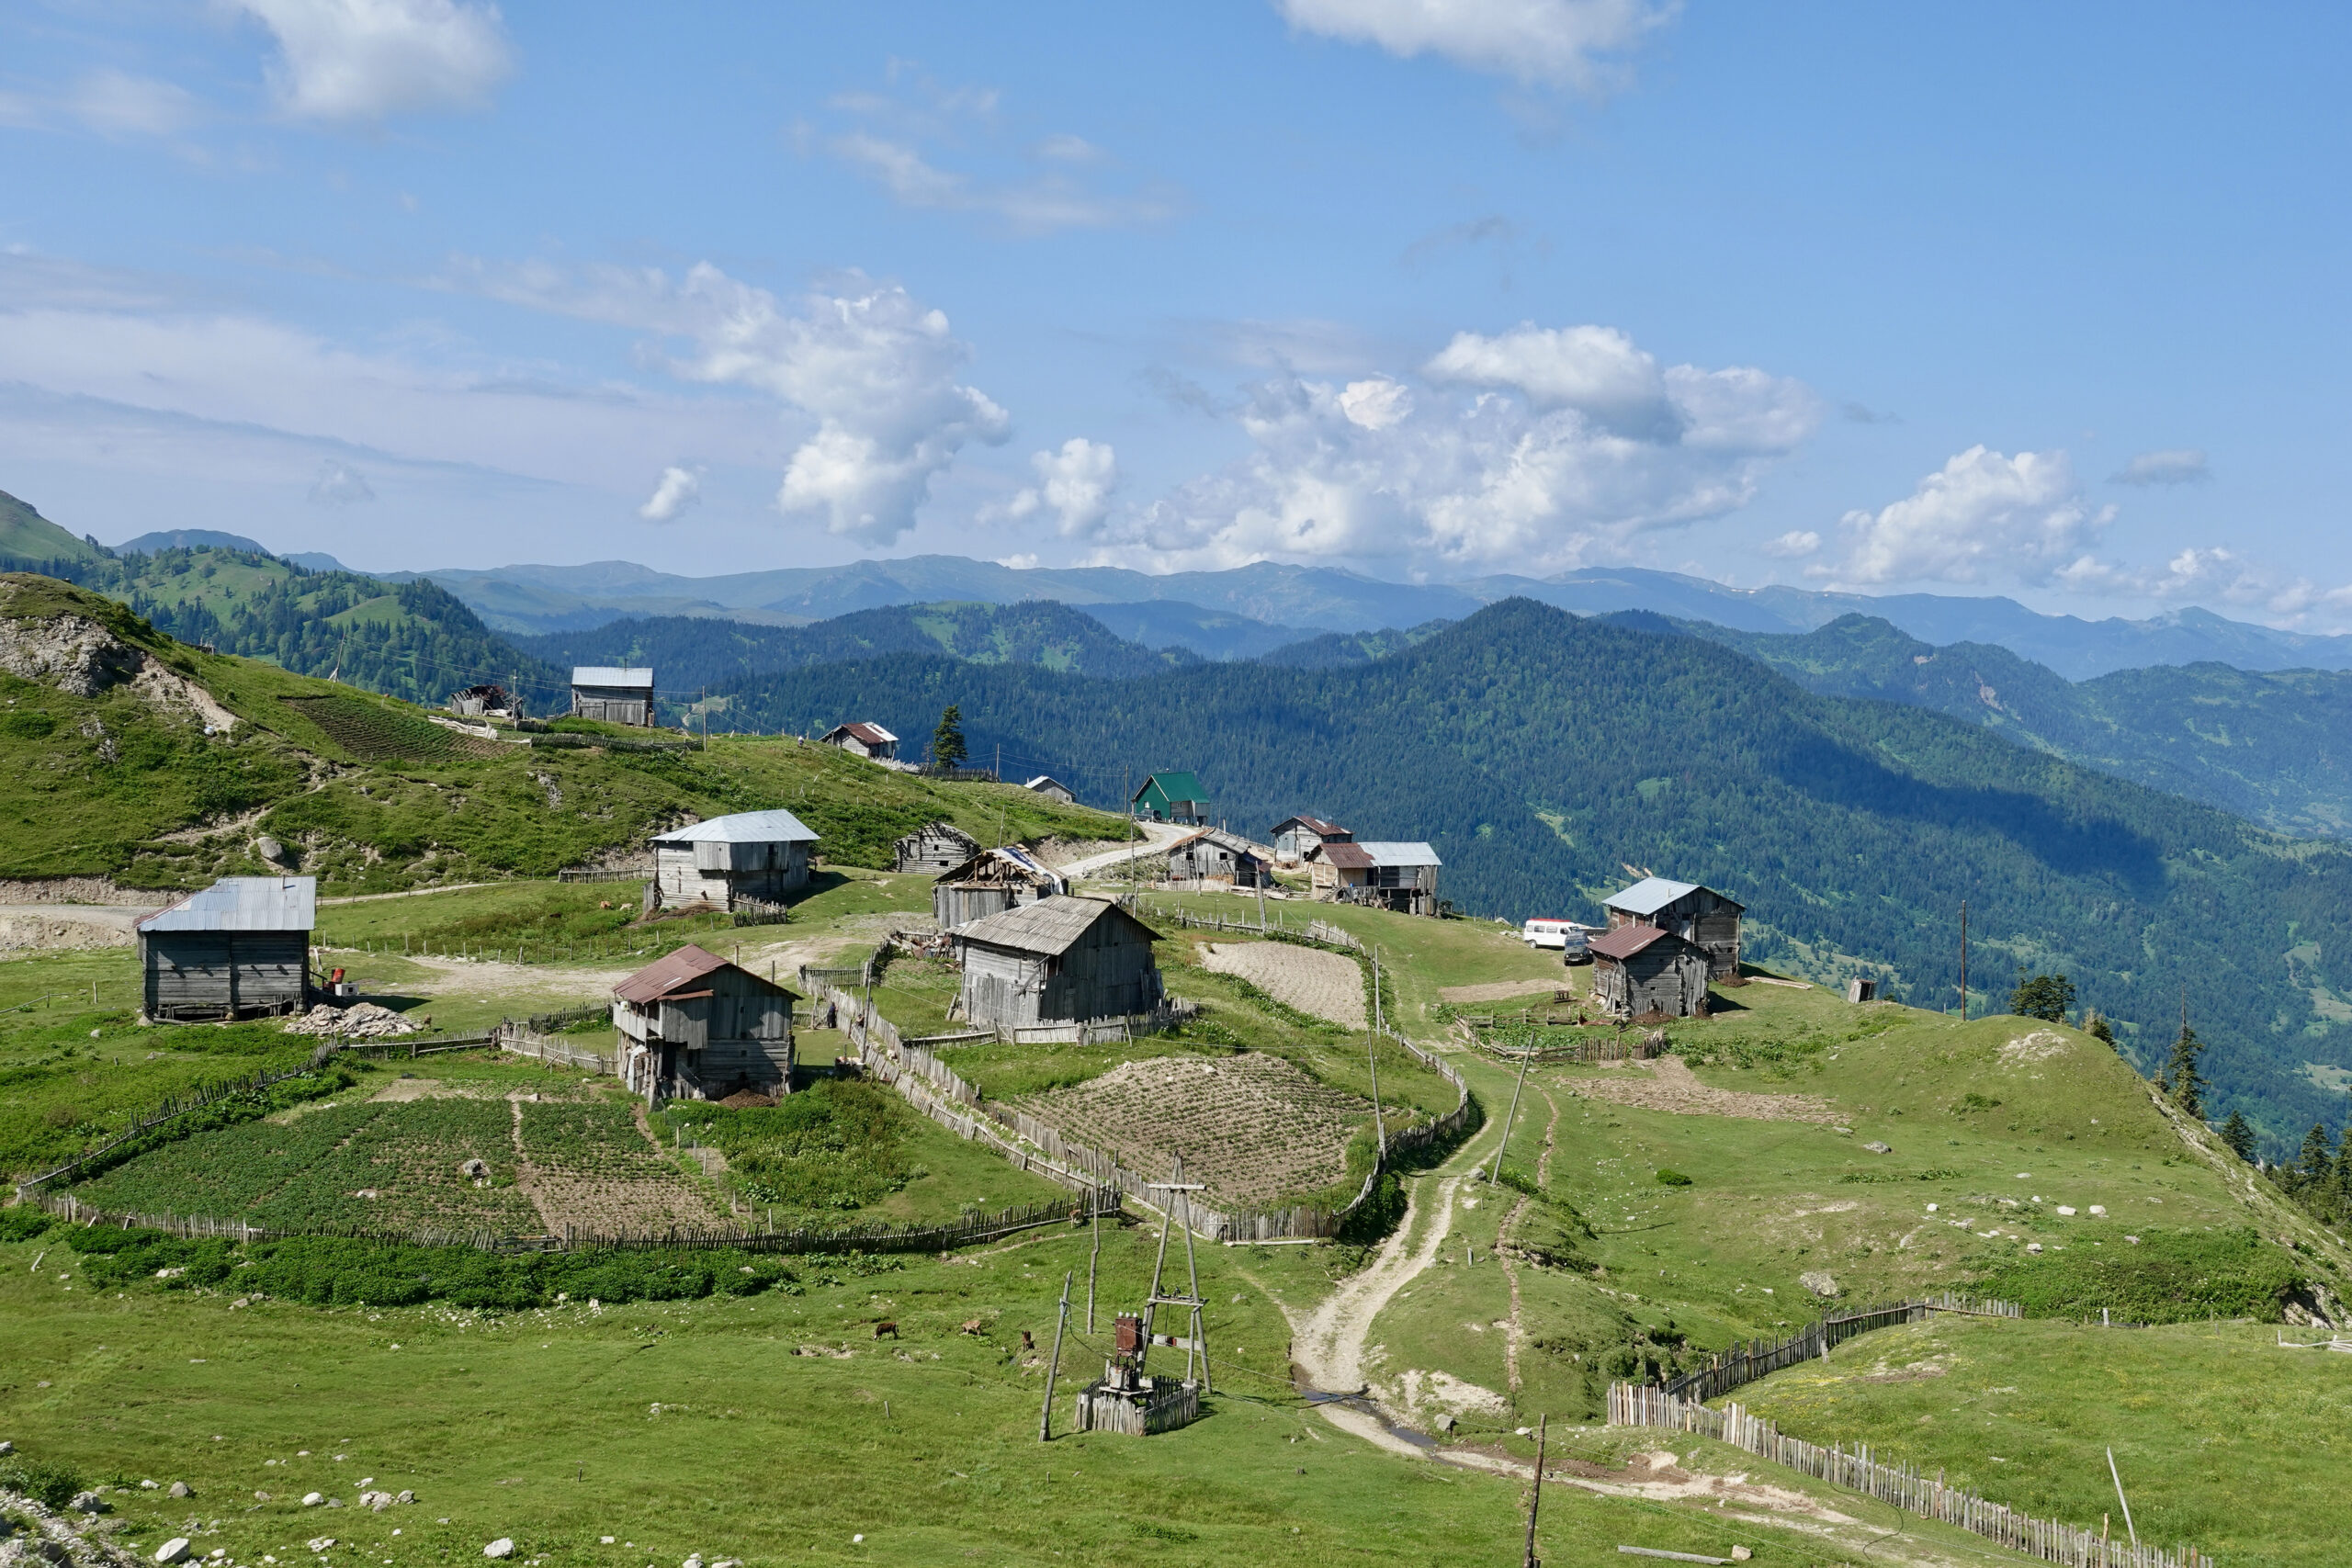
(2180, 1079)
(2315, 1163)
(947, 749)
(2046, 997)
(2099, 1028)
(2238, 1133)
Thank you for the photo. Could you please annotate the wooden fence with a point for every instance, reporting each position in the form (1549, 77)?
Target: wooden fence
(1100, 1410)
(1743, 1364)
(1903, 1486)
(553, 1049)
(643, 874)
(1599, 1048)
(1312, 934)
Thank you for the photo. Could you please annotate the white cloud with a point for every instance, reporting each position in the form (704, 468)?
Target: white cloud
(1981, 517)
(362, 61)
(340, 484)
(1574, 443)
(1795, 545)
(679, 488)
(1074, 484)
(1572, 44)
(2179, 465)
(114, 104)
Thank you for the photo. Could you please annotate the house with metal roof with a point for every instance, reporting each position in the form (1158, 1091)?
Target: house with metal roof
(1214, 858)
(1387, 873)
(615, 695)
(1172, 797)
(694, 1026)
(1649, 972)
(991, 882)
(239, 949)
(1695, 913)
(1293, 836)
(1060, 960)
(757, 856)
(1052, 788)
(864, 740)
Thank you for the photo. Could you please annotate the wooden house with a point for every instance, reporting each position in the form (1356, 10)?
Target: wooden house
(1647, 972)
(481, 701)
(934, 847)
(1387, 873)
(1052, 788)
(1294, 836)
(1215, 858)
(990, 883)
(239, 949)
(694, 1026)
(613, 695)
(1060, 960)
(1172, 797)
(870, 741)
(753, 855)
(1695, 914)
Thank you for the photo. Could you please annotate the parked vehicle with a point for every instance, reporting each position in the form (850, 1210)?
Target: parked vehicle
(1566, 936)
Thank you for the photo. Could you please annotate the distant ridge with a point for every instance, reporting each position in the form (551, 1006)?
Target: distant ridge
(189, 539)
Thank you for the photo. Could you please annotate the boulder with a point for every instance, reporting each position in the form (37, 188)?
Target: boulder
(1819, 1282)
(270, 850)
(312, 1499)
(501, 1547)
(177, 1489)
(405, 1498)
(1877, 1148)
(320, 1543)
(88, 1503)
(477, 1170)
(173, 1550)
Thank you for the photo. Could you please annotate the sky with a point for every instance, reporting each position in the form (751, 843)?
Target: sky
(1995, 298)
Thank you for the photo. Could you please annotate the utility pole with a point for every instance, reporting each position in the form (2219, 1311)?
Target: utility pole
(1046, 1415)
(1378, 1125)
(1535, 1495)
(1496, 1175)
(1963, 961)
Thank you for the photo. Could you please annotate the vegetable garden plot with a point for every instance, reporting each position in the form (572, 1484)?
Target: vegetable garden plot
(587, 1164)
(1253, 1128)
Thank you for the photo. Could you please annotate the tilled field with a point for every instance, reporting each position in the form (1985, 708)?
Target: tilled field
(1323, 985)
(585, 1164)
(1252, 1128)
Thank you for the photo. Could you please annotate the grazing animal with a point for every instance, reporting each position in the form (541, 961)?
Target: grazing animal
(1027, 1343)
(886, 1328)
(973, 1326)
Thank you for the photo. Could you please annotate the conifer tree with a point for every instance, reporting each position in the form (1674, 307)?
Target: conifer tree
(2315, 1163)
(2238, 1133)
(2046, 997)
(2181, 1079)
(2099, 1028)
(947, 749)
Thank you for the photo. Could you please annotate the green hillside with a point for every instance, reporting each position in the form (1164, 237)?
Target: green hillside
(27, 539)
(2272, 746)
(1550, 760)
(367, 791)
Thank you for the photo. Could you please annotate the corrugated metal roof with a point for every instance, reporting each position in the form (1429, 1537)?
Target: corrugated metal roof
(1010, 861)
(871, 734)
(1231, 841)
(244, 904)
(610, 675)
(1627, 941)
(1397, 853)
(1050, 926)
(1315, 825)
(1648, 895)
(1183, 785)
(777, 827)
(1043, 779)
(664, 977)
(1346, 857)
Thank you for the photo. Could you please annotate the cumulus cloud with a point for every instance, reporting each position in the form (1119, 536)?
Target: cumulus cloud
(1074, 484)
(1534, 448)
(362, 61)
(1573, 43)
(679, 488)
(1982, 516)
(2179, 465)
(339, 484)
(1795, 545)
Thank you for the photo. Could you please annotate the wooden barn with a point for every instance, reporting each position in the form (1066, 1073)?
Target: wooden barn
(755, 855)
(1172, 797)
(239, 949)
(934, 847)
(1390, 875)
(864, 740)
(1215, 858)
(1052, 788)
(694, 1026)
(990, 883)
(1694, 913)
(1060, 960)
(1646, 972)
(613, 695)
(1294, 836)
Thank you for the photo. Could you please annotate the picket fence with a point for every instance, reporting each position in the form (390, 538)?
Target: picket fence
(1743, 1364)
(521, 1040)
(1907, 1487)
(1318, 933)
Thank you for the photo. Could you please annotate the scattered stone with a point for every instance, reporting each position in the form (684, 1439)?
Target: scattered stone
(332, 1503)
(477, 1169)
(2098, 1207)
(1819, 1282)
(405, 1498)
(1741, 1554)
(2064, 1209)
(360, 1021)
(320, 1543)
(1877, 1148)
(693, 1561)
(148, 1486)
(261, 1496)
(312, 1499)
(173, 1550)
(7, 1447)
(179, 1489)
(501, 1547)
(379, 1501)
(1843, 1131)
(2033, 1246)
(88, 1503)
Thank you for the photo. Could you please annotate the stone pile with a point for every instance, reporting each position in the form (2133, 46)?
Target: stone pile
(360, 1021)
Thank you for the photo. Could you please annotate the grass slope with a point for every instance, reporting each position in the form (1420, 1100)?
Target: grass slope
(28, 538)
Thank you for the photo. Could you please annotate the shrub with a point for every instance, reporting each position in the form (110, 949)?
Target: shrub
(51, 1485)
(23, 1224)
(1672, 1178)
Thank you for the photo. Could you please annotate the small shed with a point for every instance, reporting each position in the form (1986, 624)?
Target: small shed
(480, 702)
(1219, 859)
(1695, 913)
(694, 1026)
(1172, 797)
(990, 883)
(1293, 836)
(1387, 873)
(1052, 788)
(864, 739)
(755, 855)
(1647, 972)
(613, 694)
(1060, 960)
(239, 949)
(934, 847)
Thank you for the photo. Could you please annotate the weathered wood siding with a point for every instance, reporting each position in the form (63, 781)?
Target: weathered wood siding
(935, 847)
(613, 704)
(724, 873)
(738, 1037)
(1702, 915)
(215, 974)
(1107, 974)
(1665, 978)
(954, 903)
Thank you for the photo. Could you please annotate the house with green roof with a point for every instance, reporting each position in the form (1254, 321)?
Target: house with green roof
(1172, 797)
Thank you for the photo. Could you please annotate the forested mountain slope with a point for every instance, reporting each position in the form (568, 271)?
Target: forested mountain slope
(2273, 746)
(1550, 759)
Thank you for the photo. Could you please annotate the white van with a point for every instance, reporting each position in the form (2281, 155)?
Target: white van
(1566, 937)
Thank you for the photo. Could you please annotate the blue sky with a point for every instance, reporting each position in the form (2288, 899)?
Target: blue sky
(1995, 298)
